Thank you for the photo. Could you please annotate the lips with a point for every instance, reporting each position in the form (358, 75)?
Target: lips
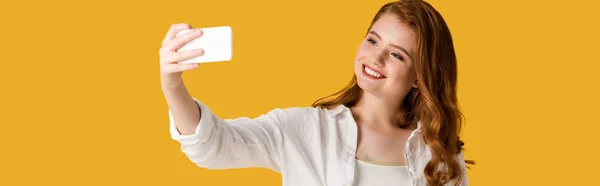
(372, 73)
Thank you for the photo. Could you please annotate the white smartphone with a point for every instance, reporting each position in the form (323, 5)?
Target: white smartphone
(215, 41)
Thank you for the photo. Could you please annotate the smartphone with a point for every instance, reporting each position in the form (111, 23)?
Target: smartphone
(215, 41)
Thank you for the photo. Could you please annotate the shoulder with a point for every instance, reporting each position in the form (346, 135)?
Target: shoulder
(302, 119)
(307, 113)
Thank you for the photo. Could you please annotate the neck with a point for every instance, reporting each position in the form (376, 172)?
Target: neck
(375, 111)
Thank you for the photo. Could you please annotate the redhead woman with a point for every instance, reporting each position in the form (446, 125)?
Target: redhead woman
(397, 121)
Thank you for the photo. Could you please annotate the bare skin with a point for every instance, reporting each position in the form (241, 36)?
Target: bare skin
(185, 111)
(380, 139)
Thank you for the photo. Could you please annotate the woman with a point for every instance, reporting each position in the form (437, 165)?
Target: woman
(396, 123)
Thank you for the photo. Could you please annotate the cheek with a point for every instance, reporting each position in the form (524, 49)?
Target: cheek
(400, 74)
(361, 53)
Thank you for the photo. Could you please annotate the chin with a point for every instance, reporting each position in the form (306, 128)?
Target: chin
(365, 85)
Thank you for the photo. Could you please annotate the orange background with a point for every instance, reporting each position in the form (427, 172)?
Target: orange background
(82, 104)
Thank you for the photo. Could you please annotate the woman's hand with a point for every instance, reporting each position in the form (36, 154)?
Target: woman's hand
(170, 71)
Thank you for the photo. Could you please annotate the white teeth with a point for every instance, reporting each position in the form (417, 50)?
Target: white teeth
(372, 72)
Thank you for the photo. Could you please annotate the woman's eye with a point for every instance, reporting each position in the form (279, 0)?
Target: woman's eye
(397, 56)
(371, 41)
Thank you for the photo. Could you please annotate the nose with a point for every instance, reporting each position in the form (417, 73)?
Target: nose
(378, 57)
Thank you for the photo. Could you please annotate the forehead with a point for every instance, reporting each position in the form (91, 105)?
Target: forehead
(393, 31)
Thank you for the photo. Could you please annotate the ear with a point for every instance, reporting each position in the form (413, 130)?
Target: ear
(415, 83)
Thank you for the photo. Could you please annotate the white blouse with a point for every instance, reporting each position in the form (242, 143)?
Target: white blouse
(306, 145)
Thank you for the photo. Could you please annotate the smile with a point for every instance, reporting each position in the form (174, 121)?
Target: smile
(371, 73)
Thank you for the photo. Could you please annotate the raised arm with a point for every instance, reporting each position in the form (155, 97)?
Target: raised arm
(183, 108)
(234, 143)
(208, 140)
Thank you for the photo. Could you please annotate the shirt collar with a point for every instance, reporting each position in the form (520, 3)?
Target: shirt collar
(334, 111)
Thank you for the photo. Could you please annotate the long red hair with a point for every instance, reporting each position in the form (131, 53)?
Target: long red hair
(434, 102)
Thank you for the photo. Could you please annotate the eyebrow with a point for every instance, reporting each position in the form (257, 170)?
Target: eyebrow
(396, 46)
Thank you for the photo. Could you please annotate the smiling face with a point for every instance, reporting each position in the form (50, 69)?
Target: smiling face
(384, 60)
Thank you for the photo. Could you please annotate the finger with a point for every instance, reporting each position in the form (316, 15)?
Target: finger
(179, 56)
(177, 42)
(175, 28)
(174, 68)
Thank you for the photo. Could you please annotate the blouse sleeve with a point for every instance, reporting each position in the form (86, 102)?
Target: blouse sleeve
(235, 143)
